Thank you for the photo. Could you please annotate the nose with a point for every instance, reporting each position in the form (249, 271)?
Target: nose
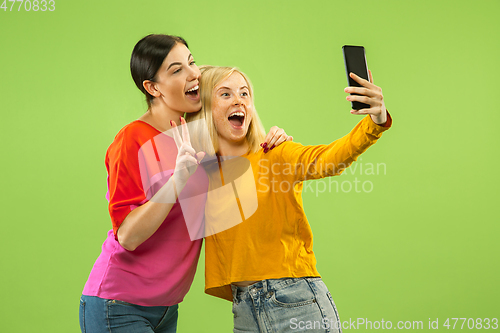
(238, 100)
(194, 73)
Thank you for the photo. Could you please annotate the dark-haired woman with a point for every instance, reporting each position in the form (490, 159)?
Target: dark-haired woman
(149, 258)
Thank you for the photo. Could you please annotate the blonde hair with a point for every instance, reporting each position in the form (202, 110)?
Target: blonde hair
(211, 76)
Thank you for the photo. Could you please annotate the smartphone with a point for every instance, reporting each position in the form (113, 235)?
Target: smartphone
(355, 62)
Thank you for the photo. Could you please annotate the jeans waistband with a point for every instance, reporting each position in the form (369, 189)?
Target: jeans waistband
(265, 286)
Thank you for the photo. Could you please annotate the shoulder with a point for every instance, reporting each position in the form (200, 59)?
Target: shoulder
(130, 139)
(138, 131)
(285, 150)
(135, 133)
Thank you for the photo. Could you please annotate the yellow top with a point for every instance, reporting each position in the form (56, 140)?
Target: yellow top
(258, 229)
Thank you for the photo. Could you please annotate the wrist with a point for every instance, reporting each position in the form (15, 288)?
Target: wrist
(380, 119)
(179, 182)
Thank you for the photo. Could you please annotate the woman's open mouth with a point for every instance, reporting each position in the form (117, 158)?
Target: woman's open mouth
(237, 119)
(193, 93)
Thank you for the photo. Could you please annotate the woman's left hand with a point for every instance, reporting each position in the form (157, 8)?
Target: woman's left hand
(275, 137)
(370, 94)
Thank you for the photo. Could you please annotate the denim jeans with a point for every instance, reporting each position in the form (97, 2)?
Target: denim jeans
(285, 305)
(106, 315)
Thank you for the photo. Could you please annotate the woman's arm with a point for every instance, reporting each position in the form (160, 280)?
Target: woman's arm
(319, 161)
(143, 221)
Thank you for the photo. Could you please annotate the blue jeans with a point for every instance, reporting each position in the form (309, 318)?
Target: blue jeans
(285, 305)
(106, 315)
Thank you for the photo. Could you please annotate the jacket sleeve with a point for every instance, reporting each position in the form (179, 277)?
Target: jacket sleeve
(314, 162)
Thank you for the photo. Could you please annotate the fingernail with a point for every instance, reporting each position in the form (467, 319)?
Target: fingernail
(180, 119)
(171, 123)
(272, 147)
(264, 145)
(266, 150)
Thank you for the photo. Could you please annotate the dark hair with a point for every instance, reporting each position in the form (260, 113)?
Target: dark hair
(147, 57)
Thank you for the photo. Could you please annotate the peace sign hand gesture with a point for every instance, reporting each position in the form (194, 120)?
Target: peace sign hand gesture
(187, 159)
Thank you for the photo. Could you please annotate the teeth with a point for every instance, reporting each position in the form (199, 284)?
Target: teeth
(193, 89)
(239, 114)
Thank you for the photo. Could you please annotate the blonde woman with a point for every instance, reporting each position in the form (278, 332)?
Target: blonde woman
(265, 264)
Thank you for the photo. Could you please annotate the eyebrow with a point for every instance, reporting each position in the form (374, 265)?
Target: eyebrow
(178, 63)
(242, 87)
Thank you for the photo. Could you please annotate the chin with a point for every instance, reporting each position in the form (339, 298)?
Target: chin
(238, 139)
(193, 110)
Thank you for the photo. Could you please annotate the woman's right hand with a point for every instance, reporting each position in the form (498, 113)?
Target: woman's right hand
(369, 94)
(187, 159)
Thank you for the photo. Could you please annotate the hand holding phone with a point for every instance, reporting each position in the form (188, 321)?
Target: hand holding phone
(355, 62)
(361, 87)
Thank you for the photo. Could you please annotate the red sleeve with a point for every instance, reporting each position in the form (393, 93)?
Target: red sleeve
(124, 179)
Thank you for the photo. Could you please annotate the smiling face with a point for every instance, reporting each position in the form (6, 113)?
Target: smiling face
(177, 81)
(232, 109)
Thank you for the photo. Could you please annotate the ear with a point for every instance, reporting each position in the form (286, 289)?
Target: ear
(151, 88)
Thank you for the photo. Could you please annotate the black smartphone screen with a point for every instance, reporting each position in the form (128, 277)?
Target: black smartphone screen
(355, 62)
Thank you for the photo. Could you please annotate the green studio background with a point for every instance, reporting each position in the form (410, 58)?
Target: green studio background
(418, 242)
